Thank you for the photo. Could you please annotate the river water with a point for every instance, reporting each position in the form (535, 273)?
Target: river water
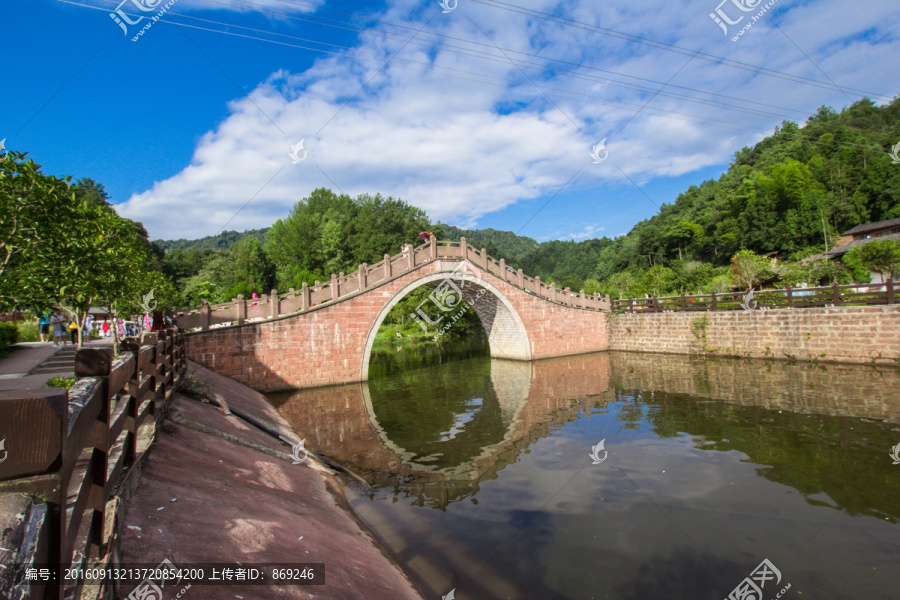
(487, 477)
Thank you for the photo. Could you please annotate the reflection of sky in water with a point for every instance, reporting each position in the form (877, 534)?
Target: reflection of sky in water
(460, 419)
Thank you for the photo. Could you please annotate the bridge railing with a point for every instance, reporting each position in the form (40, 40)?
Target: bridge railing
(71, 448)
(856, 294)
(241, 310)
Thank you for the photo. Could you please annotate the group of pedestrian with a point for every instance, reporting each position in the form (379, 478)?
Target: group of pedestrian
(64, 328)
(61, 330)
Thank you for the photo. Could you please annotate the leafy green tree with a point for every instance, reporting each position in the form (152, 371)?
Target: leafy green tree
(880, 256)
(749, 269)
(34, 210)
(658, 280)
(622, 282)
(91, 193)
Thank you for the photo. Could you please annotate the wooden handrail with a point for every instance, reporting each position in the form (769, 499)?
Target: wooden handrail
(858, 294)
(85, 438)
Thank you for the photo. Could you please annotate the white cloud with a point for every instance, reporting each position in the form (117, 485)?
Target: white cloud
(461, 149)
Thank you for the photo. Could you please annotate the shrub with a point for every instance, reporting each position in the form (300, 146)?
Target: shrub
(60, 382)
(28, 332)
(9, 334)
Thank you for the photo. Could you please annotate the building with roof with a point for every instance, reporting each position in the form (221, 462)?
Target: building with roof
(861, 235)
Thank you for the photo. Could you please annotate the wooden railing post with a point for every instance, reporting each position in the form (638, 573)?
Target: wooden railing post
(335, 291)
(835, 294)
(273, 304)
(889, 287)
(713, 294)
(204, 315)
(790, 296)
(304, 296)
(363, 276)
(387, 267)
(683, 303)
(241, 309)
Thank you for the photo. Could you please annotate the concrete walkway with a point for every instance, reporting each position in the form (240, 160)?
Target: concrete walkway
(15, 369)
(215, 489)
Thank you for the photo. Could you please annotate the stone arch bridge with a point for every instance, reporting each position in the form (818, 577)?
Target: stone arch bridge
(323, 335)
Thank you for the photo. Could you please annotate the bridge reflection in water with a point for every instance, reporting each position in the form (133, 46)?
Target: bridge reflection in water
(453, 426)
(766, 454)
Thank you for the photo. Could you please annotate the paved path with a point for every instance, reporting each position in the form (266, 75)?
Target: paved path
(15, 368)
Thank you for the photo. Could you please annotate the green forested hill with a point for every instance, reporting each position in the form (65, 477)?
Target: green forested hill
(222, 241)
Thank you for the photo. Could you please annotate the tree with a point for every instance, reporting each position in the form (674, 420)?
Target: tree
(658, 279)
(621, 282)
(34, 210)
(748, 269)
(880, 256)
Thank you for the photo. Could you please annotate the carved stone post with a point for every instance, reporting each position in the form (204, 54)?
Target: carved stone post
(335, 292)
(521, 279)
(363, 276)
(304, 296)
(273, 303)
(464, 248)
(241, 309)
(503, 269)
(434, 249)
(204, 315)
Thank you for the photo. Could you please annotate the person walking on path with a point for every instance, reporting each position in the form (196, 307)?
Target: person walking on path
(44, 327)
(59, 328)
(120, 329)
(73, 332)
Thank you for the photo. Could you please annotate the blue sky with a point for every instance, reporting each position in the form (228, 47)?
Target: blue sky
(484, 115)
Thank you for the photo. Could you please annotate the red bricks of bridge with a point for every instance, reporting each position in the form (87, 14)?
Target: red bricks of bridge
(325, 346)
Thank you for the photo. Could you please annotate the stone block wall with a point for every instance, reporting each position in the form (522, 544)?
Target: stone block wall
(858, 334)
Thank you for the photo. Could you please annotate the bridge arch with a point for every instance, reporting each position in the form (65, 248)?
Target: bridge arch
(323, 335)
(506, 332)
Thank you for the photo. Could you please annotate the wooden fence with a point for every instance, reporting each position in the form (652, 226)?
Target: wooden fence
(857, 294)
(366, 277)
(73, 446)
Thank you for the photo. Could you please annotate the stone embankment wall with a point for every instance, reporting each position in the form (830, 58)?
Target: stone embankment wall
(857, 334)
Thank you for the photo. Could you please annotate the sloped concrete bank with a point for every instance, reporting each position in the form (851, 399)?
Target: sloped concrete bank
(215, 489)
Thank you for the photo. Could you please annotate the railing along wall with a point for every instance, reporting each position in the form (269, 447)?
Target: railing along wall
(366, 277)
(856, 294)
(76, 444)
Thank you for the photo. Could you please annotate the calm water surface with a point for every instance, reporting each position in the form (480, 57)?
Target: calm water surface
(482, 477)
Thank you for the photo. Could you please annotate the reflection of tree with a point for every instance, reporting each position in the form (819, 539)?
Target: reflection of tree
(629, 409)
(416, 408)
(815, 454)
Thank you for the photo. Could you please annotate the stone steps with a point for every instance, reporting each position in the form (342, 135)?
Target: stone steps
(61, 361)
